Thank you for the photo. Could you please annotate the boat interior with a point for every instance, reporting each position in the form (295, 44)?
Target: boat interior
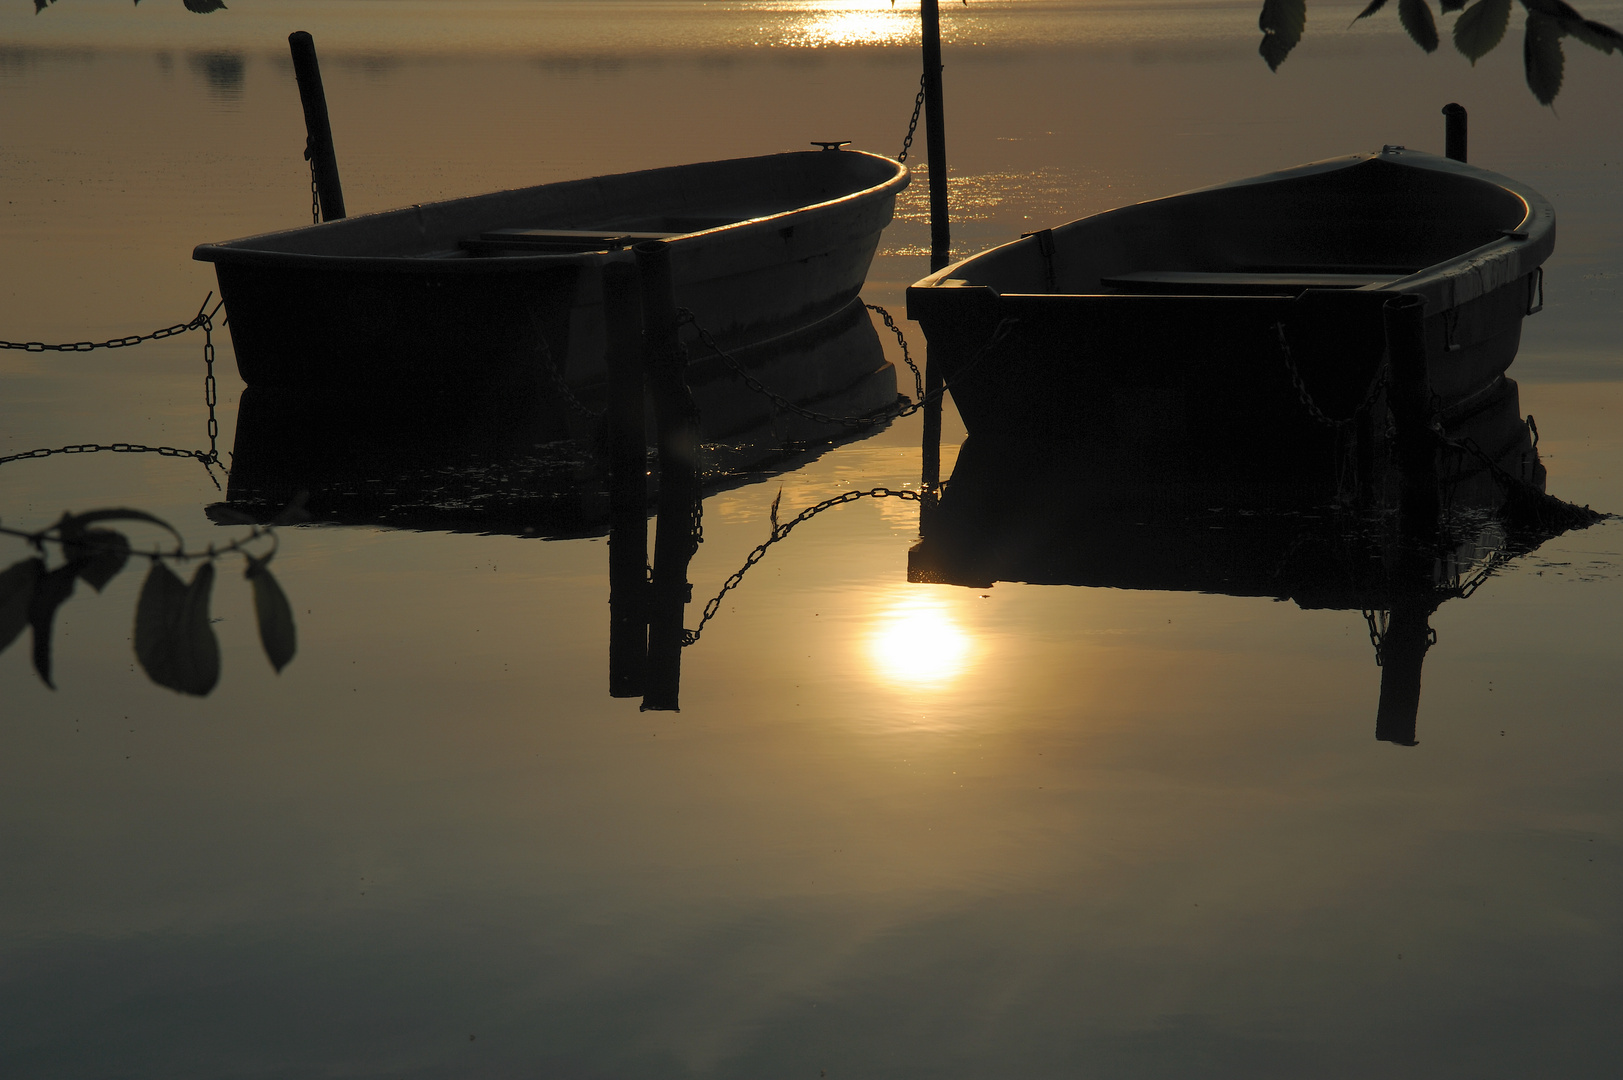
(1361, 226)
(606, 213)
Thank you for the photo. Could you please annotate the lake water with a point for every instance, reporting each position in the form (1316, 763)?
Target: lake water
(896, 829)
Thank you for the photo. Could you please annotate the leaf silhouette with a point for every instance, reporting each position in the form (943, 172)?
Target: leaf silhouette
(1451, 5)
(98, 554)
(16, 586)
(275, 614)
(1374, 6)
(1596, 35)
(77, 522)
(1542, 56)
(1481, 27)
(1282, 23)
(1417, 19)
(203, 7)
(173, 639)
(51, 591)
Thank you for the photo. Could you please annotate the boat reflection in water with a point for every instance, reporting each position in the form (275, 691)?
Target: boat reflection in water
(529, 466)
(541, 467)
(1066, 522)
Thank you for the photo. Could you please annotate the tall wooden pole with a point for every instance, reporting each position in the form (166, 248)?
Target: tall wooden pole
(677, 421)
(318, 131)
(935, 138)
(628, 482)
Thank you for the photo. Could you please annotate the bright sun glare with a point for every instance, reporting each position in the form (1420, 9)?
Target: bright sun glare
(917, 641)
(855, 22)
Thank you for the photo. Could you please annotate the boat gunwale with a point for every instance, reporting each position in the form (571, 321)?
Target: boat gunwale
(238, 253)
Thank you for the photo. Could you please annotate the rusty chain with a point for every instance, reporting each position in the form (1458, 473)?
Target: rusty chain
(912, 125)
(901, 339)
(204, 321)
(874, 419)
(1377, 383)
(780, 532)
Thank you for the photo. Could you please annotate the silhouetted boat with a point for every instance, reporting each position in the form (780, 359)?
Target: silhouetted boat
(481, 295)
(1175, 326)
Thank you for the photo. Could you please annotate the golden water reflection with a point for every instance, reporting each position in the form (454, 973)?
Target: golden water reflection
(917, 641)
(851, 22)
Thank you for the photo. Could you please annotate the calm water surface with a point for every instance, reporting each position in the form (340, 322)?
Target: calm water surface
(896, 829)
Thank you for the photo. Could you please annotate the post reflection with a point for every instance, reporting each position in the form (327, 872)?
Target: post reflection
(1009, 514)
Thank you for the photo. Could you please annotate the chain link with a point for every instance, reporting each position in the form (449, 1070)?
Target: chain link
(315, 191)
(901, 339)
(560, 384)
(204, 321)
(913, 124)
(781, 532)
(874, 419)
(1377, 383)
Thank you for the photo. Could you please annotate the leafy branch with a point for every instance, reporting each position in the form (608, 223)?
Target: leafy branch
(1477, 31)
(174, 638)
(201, 7)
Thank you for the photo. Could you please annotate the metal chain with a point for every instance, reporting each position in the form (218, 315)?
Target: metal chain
(315, 192)
(890, 324)
(562, 385)
(1377, 383)
(1377, 631)
(913, 124)
(882, 416)
(779, 533)
(204, 321)
(197, 321)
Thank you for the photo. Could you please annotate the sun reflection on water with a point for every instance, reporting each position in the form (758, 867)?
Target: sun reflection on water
(851, 22)
(917, 641)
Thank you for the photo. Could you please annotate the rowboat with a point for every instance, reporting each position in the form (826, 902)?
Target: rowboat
(1212, 325)
(500, 295)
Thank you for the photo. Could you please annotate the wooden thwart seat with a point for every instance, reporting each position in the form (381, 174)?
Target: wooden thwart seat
(1248, 282)
(558, 241)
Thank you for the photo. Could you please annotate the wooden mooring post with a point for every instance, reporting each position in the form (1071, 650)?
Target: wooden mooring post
(1454, 131)
(318, 131)
(678, 436)
(935, 139)
(628, 482)
(1414, 442)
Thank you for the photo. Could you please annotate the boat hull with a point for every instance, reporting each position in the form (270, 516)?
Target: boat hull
(388, 306)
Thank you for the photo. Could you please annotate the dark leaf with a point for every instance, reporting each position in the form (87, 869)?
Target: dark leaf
(1451, 5)
(1597, 35)
(16, 586)
(98, 554)
(82, 520)
(51, 591)
(1481, 27)
(203, 7)
(294, 512)
(275, 614)
(1282, 23)
(1374, 6)
(1541, 56)
(1417, 19)
(173, 639)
